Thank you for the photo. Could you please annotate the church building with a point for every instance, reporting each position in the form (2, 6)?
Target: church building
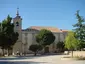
(27, 36)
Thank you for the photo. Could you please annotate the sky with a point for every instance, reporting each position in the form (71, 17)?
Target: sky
(53, 13)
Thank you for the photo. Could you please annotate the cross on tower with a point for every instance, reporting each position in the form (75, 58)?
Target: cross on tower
(17, 12)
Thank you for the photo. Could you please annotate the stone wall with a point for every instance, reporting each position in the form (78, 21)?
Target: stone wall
(78, 53)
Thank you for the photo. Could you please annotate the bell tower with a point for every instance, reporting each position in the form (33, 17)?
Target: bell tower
(18, 25)
(18, 28)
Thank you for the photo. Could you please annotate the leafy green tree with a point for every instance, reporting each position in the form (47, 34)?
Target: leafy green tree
(45, 37)
(3, 40)
(60, 46)
(71, 42)
(80, 30)
(7, 35)
(35, 48)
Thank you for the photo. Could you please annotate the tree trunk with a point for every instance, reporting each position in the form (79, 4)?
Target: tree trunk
(72, 53)
(3, 51)
(35, 54)
(8, 52)
(11, 51)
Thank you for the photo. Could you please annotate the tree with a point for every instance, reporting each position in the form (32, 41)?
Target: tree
(45, 37)
(7, 35)
(3, 40)
(71, 42)
(35, 48)
(80, 30)
(60, 46)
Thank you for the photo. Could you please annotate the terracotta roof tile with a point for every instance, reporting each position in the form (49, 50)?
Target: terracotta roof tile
(52, 29)
(64, 30)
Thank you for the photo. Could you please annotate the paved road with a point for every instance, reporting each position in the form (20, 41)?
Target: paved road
(52, 59)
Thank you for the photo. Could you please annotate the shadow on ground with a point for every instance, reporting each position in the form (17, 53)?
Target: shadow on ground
(23, 62)
(27, 57)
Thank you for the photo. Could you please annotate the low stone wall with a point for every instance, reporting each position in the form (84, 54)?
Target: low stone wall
(78, 53)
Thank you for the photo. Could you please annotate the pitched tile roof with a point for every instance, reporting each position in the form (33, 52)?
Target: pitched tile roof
(52, 29)
(64, 30)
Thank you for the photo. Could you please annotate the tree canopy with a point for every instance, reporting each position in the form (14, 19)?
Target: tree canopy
(60, 46)
(35, 48)
(80, 30)
(7, 35)
(45, 37)
(71, 42)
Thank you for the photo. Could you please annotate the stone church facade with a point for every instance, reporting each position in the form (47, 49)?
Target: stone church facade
(27, 36)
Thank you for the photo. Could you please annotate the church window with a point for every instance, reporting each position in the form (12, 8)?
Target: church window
(17, 23)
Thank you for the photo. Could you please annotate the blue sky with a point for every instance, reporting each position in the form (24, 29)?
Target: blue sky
(55, 13)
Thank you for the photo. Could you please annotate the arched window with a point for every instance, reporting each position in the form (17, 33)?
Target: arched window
(17, 23)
